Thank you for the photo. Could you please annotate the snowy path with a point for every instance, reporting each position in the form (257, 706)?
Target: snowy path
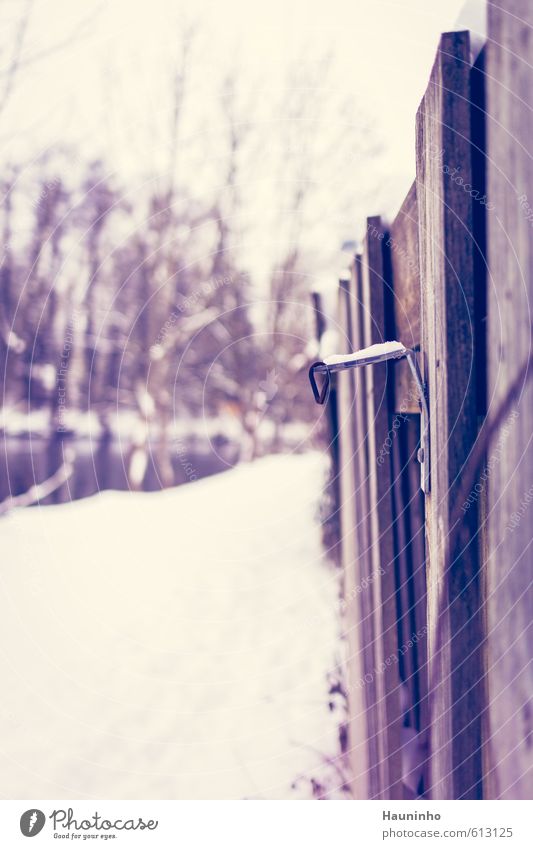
(169, 645)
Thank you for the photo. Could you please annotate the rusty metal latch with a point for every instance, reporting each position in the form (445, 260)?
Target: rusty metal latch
(319, 376)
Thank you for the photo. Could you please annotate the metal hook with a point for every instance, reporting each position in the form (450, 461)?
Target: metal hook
(321, 395)
(370, 356)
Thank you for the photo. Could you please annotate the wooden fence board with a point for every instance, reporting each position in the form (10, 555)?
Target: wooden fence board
(363, 586)
(381, 516)
(402, 243)
(510, 295)
(414, 499)
(362, 760)
(415, 534)
(447, 316)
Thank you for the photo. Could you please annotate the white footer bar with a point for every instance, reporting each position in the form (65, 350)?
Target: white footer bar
(265, 824)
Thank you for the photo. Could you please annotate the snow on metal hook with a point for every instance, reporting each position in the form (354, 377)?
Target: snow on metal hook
(370, 356)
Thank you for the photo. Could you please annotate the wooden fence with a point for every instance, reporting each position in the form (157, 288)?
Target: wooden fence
(437, 584)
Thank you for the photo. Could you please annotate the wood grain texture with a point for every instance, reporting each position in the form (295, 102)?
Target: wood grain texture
(402, 244)
(363, 586)
(447, 317)
(378, 420)
(411, 574)
(510, 298)
(415, 501)
(362, 755)
(403, 323)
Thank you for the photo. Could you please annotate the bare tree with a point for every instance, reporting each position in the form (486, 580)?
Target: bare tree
(14, 60)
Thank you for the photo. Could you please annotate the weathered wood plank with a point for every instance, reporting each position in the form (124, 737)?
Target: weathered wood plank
(414, 499)
(416, 531)
(362, 760)
(447, 317)
(510, 295)
(402, 243)
(363, 577)
(407, 667)
(402, 246)
(375, 292)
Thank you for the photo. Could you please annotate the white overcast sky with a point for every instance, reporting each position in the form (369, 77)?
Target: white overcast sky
(107, 91)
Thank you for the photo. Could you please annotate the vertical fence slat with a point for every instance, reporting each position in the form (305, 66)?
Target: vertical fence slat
(414, 500)
(381, 516)
(360, 750)
(510, 296)
(364, 586)
(402, 246)
(447, 287)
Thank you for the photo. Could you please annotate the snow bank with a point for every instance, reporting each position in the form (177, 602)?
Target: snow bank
(169, 645)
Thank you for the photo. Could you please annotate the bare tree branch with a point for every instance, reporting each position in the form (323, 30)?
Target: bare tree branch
(14, 64)
(39, 491)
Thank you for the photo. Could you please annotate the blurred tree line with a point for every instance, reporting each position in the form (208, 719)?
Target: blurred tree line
(133, 309)
(100, 314)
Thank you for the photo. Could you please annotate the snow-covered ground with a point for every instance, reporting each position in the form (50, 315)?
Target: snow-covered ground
(170, 645)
